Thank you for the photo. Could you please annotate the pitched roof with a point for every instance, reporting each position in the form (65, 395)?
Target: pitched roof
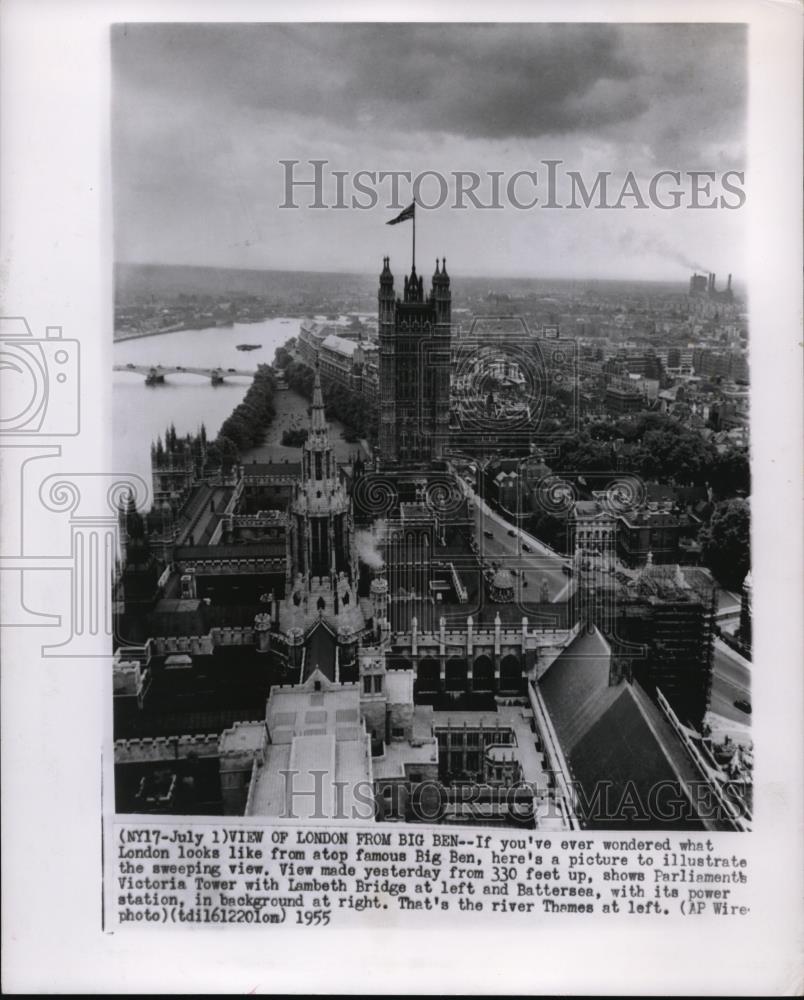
(576, 687)
(339, 344)
(619, 746)
(320, 651)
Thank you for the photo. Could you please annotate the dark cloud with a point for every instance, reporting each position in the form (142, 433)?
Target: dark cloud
(203, 115)
(479, 81)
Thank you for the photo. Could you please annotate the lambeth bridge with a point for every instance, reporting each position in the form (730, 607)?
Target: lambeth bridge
(155, 374)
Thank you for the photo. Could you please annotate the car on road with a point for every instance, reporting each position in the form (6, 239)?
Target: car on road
(488, 534)
(512, 533)
(743, 705)
(526, 547)
(230, 369)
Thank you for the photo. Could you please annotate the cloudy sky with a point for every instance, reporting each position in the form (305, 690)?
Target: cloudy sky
(202, 115)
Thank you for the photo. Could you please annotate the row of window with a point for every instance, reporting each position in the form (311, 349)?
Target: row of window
(372, 683)
(458, 738)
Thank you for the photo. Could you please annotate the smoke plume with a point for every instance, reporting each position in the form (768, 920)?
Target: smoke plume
(646, 243)
(367, 543)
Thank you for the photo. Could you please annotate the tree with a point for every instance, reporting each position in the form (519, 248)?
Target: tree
(340, 403)
(726, 543)
(730, 473)
(604, 431)
(294, 438)
(283, 357)
(552, 529)
(586, 455)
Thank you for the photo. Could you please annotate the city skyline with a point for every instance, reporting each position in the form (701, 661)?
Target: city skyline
(203, 115)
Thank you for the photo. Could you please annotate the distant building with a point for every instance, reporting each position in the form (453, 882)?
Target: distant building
(308, 342)
(176, 466)
(669, 612)
(349, 362)
(730, 364)
(705, 285)
(621, 398)
(593, 529)
(699, 284)
(337, 357)
(645, 533)
(659, 529)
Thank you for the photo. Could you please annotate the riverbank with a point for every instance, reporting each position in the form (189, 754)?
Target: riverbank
(121, 337)
(141, 412)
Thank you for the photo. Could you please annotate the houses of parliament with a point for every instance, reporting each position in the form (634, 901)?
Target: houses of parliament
(356, 619)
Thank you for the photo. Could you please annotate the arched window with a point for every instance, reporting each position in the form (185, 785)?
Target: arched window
(510, 673)
(483, 674)
(456, 674)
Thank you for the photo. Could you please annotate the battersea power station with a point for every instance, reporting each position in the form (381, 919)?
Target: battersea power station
(370, 639)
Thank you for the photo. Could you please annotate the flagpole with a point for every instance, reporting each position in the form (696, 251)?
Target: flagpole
(414, 236)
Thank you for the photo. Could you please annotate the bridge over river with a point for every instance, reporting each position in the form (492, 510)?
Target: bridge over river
(155, 374)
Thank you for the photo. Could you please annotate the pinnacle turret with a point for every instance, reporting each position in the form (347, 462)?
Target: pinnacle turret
(318, 422)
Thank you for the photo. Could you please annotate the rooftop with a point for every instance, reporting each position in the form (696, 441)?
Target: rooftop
(397, 754)
(290, 469)
(399, 687)
(616, 740)
(576, 687)
(513, 717)
(245, 737)
(313, 732)
(339, 344)
(302, 711)
(246, 550)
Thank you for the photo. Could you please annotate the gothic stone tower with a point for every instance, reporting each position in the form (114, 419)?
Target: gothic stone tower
(414, 335)
(320, 539)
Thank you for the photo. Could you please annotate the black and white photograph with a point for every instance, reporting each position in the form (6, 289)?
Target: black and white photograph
(451, 517)
(400, 497)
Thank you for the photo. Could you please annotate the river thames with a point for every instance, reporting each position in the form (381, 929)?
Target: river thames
(142, 412)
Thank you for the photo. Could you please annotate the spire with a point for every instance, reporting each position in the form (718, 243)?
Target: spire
(441, 278)
(318, 421)
(414, 287)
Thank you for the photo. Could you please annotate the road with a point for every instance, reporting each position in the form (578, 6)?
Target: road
(731, 681)
(731, 673)
(507, 548)
(204, 514)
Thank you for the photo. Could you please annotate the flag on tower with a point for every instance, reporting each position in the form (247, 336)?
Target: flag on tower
(404, 215)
